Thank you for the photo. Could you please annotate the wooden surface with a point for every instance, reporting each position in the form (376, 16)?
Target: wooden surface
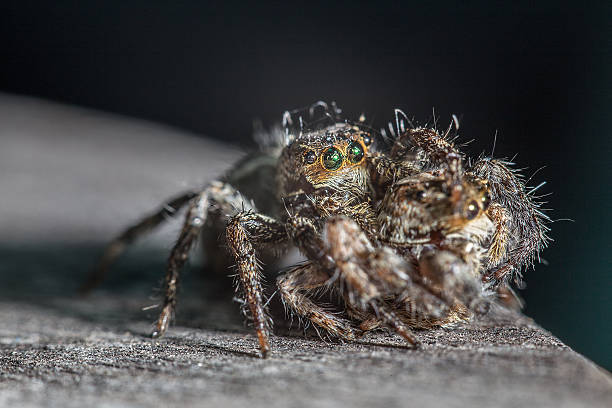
(72, 178)
(71, 354)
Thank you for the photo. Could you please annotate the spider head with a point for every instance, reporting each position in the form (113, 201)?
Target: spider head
(428, 206)
(464, 204)
(326, 161)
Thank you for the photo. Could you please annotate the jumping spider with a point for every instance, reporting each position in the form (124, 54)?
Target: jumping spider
(403, 235)
(481, 211)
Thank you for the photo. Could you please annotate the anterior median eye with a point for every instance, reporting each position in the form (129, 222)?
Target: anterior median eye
(471, 210)
(355, 152)
(332, 158)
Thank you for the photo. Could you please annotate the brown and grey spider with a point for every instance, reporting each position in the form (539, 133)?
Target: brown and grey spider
(481, 211)
(338, 198)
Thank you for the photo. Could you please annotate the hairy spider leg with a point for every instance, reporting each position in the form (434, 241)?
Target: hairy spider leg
(218, 198)
(297, 283)
(500, 217)
(194, 221)
(422, 297)
(453, 269)
(245, 231)
(334, 253)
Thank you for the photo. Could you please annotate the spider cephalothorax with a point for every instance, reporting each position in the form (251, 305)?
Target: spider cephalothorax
(403, 236)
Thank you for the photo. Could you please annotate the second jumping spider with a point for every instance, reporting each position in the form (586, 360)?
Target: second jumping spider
(481, 213)
(377, 227)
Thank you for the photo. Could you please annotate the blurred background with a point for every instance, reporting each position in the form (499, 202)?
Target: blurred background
(537, 75)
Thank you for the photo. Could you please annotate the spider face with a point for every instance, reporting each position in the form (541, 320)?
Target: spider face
(428, 205)
(342, 155)
(332, 158)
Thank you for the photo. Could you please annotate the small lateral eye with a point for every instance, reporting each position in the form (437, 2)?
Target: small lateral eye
(355, 152)
(486, 201)
(472, 210)
(310, 157)
(414, 195)
(332, 158)
(367, 140)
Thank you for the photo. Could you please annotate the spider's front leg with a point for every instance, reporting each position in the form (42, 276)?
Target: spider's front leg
(246, 231)
(220, 198)
(453, 268)
(371, 276)
(396, 293)
(341, 253)
(435, 291)
(196, 216)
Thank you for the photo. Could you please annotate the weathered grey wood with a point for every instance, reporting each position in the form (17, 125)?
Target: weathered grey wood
(58, 356)
(70, 178)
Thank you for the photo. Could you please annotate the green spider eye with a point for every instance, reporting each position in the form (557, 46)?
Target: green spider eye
(332, 159)
(355, 152)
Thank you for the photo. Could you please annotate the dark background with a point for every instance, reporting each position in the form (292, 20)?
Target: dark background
(538, 75)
